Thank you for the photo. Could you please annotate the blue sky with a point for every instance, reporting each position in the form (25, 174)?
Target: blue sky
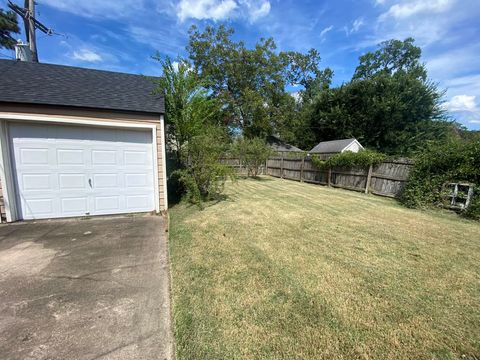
(121, 35)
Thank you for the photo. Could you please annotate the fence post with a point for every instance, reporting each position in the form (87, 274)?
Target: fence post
(281, 168)
(369, 179)
(329, 179)
(301, 168)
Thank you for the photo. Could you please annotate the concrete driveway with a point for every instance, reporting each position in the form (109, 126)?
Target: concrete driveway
(85, 289)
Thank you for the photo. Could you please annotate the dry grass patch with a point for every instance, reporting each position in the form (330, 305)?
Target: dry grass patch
(286, 270)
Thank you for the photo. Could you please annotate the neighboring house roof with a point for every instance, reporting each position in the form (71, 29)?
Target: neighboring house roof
(279, 145)
(334, 146)
(47, 84)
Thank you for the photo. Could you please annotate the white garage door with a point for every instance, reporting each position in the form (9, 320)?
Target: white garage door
(64, 171)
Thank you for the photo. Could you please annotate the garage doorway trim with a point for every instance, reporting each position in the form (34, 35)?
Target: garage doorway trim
(6, 171)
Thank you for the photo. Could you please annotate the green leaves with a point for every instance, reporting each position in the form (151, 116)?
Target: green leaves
(389, 105)
(392, 57)
(203, 176)
(455, 160)
(187, 104)
(250, 83)
(349, 159)
(8, 26)
(193, 131)
(253, 153)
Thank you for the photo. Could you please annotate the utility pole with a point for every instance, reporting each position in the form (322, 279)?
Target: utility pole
(27, 13)
(30, 28)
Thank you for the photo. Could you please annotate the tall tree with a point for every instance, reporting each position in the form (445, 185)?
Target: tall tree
(303, 70)
(188, 107)
(389, 105)
(393, 56)
(8, 26)
(251, 83)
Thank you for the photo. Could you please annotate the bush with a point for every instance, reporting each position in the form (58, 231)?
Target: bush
(439, 163)
(253, 153)
(204, 176)
(349, 159)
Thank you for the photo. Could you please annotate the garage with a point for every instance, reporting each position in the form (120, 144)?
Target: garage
(79, 142)
(63, 171)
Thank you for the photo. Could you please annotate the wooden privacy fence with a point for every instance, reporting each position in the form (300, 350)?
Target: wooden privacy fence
(386, 179)
(238, 166)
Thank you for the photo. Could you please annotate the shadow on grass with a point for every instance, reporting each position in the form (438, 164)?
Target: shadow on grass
(255, 178)
(206, 203)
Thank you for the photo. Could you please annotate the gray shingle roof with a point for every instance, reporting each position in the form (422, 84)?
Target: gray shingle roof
(278, 145)
(38, 83)
(334, 146)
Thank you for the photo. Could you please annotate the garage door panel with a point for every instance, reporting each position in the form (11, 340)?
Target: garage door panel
(107, 203)
(74, 205)
(108, 181)
(137, 180)
(36, 182)
(78, 171)
(138, 201)
(33, 156)
(72, 181)
(136, 157)
(67, 157)
(38, 207)
(104, 157)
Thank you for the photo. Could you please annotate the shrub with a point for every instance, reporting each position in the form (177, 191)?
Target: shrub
(349, 159)
(439, 163)
(253, 153)
(204, 176)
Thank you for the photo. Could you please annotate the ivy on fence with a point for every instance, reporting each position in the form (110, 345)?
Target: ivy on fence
(361, 159)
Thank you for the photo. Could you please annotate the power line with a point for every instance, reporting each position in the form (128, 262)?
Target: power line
(27, 13)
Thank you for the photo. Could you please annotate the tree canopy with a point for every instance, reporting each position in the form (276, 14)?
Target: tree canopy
(250, 83)
(8, 26)
(389, 105)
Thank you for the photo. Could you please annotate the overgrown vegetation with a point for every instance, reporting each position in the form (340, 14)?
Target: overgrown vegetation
(253, 153)
(194, 135)
(452, 161)
(349, 159)
(204, 176)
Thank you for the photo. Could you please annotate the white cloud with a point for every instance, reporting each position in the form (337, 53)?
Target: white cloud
(356, 25)
(413, 7)
(462, 103)
(427, 21)
(222, 9)
(325, 31)
(256, 9)
(464, 108)
(86, 55)
(205, 9)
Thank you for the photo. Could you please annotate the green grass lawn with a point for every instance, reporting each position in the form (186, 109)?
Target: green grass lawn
(287, 270)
